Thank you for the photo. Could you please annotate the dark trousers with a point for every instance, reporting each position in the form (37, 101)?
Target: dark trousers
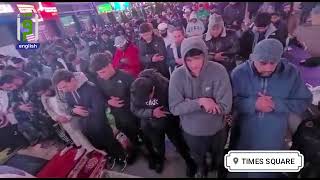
(155, 139)
(101, 137)
(200, 145)
(129, 126)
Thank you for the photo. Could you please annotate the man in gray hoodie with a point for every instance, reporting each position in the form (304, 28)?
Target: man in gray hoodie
(200, 93)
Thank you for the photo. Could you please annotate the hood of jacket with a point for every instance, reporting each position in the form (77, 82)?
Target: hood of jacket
(194, 43)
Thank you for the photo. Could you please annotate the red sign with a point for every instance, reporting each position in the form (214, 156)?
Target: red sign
(47, 10)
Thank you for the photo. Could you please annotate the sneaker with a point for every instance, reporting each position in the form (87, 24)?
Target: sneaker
(199, 175)
(123, 164)
(159, 167)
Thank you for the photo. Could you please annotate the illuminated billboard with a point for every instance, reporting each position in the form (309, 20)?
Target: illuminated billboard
(120, 6)
(104, 8)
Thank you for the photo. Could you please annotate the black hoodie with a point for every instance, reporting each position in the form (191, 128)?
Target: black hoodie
(118, 86)
(142, 106)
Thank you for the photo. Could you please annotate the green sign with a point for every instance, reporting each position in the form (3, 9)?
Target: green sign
(104, 8)
(120, 6)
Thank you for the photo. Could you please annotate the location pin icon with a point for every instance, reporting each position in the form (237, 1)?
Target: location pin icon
(235, 160)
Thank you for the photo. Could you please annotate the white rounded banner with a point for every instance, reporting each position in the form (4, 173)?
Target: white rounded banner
(264, 161)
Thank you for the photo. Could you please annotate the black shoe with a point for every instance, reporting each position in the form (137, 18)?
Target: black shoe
(191, 169)
(111, 162)
(132, 157)
(152, 163)
(123, 164)
(159, 167)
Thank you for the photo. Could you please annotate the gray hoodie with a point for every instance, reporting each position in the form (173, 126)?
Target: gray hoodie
(184, 91)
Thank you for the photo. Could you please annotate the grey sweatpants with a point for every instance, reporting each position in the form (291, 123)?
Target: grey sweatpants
(200, 145)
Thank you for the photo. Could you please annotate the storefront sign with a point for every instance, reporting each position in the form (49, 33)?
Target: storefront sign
(120, 6)
(47, 10)
(26, 8)
(6, 8)
(104, 8)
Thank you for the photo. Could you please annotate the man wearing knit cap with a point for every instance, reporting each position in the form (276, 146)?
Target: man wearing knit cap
(266, 89)
(262, 29)
(200, 93)
(195, 27)
(223, 44)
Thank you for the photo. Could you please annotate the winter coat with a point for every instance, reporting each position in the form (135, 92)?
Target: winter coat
(95, 126)
(133, 67)
(109, 45)
(148, 50)
(250, 38)
(56, 108)
(173, 53)
(227, 42)
(266, 131)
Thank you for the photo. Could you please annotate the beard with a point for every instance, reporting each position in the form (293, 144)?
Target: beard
(164, 34)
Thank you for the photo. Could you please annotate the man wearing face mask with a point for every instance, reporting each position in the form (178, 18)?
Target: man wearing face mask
(262, 29)
(274, 89)
(223, 44)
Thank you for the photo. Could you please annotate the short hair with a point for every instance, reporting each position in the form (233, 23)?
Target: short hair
(71, 57)
(262, 20)
(275, 14)
(16, 60)
(141, 88)
(99, 61)
(6, 78)
(39, 84)
(145, 27)
(61, 75)
(193, 52)
(178, 28)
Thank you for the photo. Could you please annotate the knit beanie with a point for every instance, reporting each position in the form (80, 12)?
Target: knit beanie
(268, 50)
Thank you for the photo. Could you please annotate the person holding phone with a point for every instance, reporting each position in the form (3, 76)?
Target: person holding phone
(223, 44)
(153, 50)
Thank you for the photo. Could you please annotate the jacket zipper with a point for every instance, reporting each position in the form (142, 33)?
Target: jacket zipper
(264, 85)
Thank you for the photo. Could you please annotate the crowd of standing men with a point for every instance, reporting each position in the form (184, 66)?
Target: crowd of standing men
(181, 72)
